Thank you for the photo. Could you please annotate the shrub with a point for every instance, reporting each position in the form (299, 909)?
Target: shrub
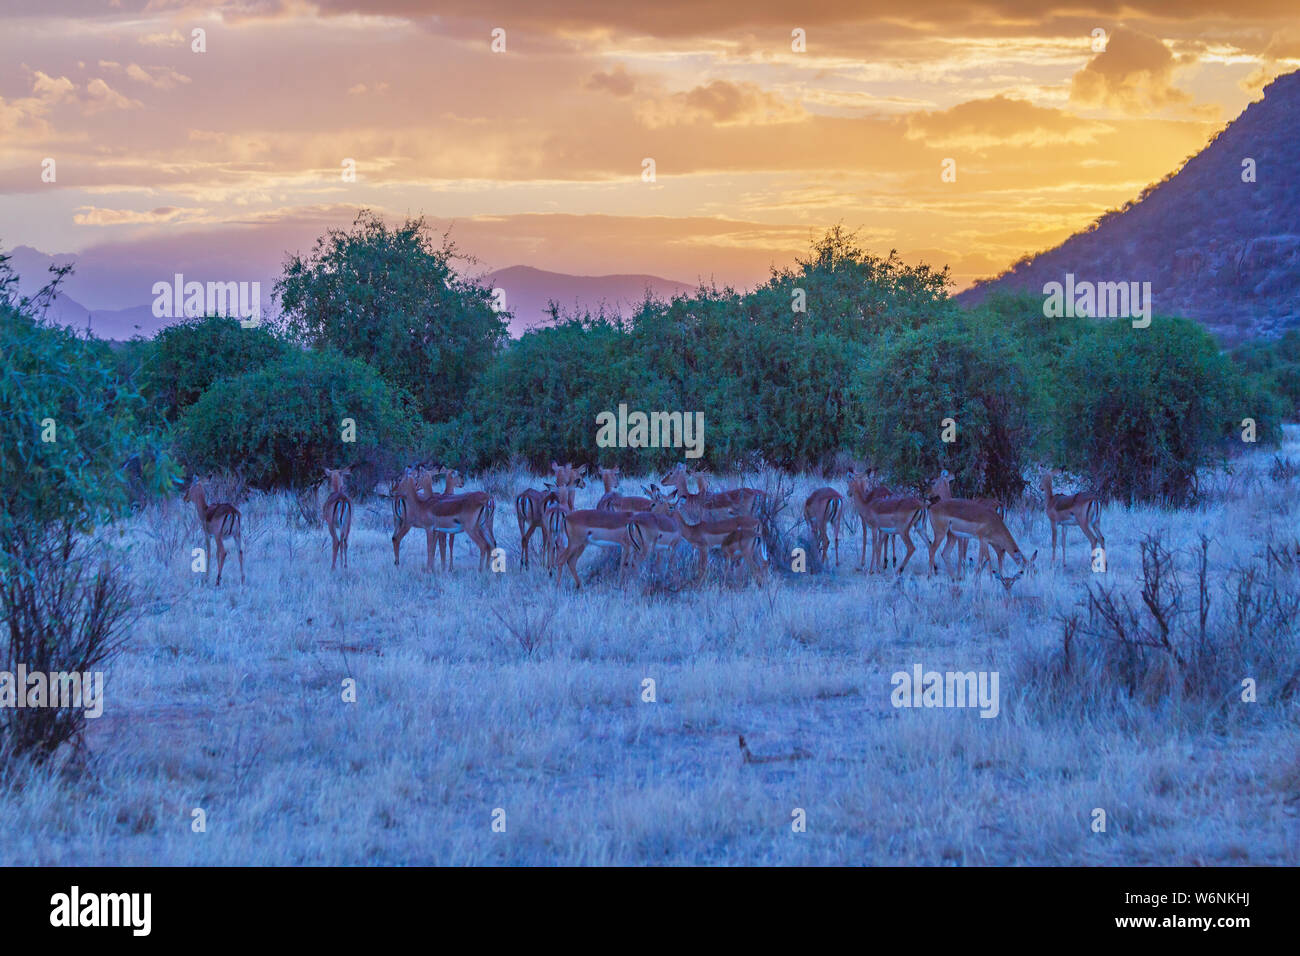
(67, 427)
(961, 369)
(184, 360)
(1140, 410)
(283, 424)
(392, 299)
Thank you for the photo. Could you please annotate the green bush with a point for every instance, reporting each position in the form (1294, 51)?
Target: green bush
(283, 424)
(184, 360)
(1139, 410)
(392, 299)
(958, 368)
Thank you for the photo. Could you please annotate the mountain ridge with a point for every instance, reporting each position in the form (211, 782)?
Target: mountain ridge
(1215, 246)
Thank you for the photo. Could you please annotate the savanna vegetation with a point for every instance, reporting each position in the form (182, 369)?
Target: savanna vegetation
(386, 353)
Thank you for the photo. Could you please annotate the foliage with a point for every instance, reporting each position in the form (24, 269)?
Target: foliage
(960, 369)
(185, 359)
(1139, 410)
(283, 424)
(391, 298)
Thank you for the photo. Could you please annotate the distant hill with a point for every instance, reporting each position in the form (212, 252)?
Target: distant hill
(1215, 249)
(528, 291)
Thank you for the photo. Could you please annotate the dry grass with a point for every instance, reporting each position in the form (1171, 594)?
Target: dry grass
(482, 691)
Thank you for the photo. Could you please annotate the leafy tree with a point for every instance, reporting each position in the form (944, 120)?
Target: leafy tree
(68, 425)
(962, 369)
(185, 359)
(391, 298)
(1139, 410)
(1277, 363)
(282, 424)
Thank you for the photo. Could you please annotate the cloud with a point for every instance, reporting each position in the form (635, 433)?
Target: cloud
(96, 216)
(617, 81)
(1134, 74)
(163, 78)
(1000, 121)
(100, 97)
(722, 103)
(174, 38)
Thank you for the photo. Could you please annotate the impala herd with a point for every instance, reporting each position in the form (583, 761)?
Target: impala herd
(640, 527)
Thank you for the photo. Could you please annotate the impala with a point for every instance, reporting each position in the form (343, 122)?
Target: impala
(558, 505)
(218, 521)
(955, 519)
(824, 506)
(941, 490)
(735, 535)
(613, 501)
(860, 500)
(604, 529)
(1082, 510)
(444, 542)
(337, 511)
(653, 529)
(471, 513)
(737, 501)
(530, 504)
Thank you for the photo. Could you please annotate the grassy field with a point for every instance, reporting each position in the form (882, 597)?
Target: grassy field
(483, 691)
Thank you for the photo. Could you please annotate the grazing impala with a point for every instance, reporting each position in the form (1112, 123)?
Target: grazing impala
(824, 506)
(604, 529)
(737, 501)
(941, 490)
(531, 504)
(955, 519)
(337, 511)
(740, 535)
(1082, 510)
(613, 501)
(469, 513)
(218, 521)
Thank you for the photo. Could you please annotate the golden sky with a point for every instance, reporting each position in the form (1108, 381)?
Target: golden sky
(535, 155)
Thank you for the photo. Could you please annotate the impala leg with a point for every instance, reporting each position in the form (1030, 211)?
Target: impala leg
(221, 558)
(398, 535)
(948, 541)
(863, 562)
(940, 534)
(207, 558)
(907, 543)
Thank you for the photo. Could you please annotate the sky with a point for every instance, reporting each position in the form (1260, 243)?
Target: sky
(766, 123)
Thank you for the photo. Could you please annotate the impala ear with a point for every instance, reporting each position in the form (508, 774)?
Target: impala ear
(582, 470)
(555, 467)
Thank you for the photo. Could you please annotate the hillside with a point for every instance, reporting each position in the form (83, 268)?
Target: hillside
(528, 291)
(1216, 249)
